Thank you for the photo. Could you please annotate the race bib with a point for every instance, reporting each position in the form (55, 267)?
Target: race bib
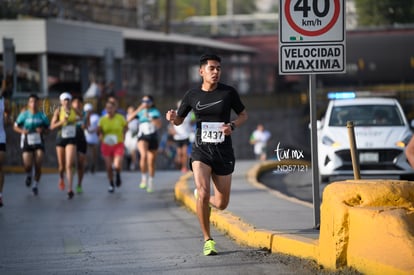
(147, 128)
(211, 132)
(111, 139)
(69, 131)
(33, 139)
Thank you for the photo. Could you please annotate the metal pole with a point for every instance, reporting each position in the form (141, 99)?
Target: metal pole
(354, 155)
(167, 17)
(43, 74)
(314, 151)
(213, 13)
(9, 62)
(230, 13)
(140, 14)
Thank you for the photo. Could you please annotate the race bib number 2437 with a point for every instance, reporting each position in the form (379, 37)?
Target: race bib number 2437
(211, 132)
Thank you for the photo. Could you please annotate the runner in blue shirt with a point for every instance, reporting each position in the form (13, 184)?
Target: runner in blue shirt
(149, 122)
(32, 125)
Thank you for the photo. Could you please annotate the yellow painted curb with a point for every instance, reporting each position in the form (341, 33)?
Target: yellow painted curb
(247, 234)
(296, 245)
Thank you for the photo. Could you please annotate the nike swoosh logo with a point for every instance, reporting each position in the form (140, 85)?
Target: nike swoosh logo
(200, 107)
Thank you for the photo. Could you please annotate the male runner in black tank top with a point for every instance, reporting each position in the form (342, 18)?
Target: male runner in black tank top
(212, 155)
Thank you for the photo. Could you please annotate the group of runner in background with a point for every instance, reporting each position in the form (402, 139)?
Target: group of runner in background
(83, 136)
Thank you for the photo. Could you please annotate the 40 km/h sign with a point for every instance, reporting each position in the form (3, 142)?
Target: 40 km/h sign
(311, 21)
(311, 36)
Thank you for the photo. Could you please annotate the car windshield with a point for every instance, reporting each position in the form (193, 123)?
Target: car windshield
(366, 115)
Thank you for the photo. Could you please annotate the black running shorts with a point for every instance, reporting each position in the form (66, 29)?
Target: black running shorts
(219, 157)
(31, 148)
(152, 140)
(81, 145)
(62, 142)
(182, 142)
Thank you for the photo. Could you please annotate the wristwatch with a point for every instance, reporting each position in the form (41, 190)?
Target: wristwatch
(232, 126)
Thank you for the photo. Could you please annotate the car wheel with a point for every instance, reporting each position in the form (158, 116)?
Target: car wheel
(324, 179)
(407, 177)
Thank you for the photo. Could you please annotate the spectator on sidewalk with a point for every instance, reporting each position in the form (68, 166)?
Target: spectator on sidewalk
(259, 139)
(93, 91)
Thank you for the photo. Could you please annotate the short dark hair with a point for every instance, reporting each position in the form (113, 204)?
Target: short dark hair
(113, 104)
(206, 57)
(35, 96)
(80, 98)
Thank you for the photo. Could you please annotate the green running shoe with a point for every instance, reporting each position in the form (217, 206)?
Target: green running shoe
(150, 187)
(79, 189)
(210, 248)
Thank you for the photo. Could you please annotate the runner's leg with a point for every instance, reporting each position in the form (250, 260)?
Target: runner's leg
(60, 153)
(108, 167)
(152, 157)
(28, 163)
(143, 162)
(202, 173)
(70, 158)
(143, 151)
(81, 160)
(222, 186)
(38, 159)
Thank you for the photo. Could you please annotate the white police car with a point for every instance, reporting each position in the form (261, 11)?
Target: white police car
(381, 133)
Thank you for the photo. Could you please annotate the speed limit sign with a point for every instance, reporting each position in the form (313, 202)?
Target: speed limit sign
(311, 36)
(304, 21)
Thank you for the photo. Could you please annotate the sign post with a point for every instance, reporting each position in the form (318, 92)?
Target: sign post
(312, 41)
(9, 62)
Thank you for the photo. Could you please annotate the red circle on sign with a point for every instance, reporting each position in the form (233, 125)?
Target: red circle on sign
(312, 33)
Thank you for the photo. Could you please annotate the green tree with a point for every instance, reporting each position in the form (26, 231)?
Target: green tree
(384, 12)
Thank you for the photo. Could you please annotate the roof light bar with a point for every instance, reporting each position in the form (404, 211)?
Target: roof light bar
(341, 95)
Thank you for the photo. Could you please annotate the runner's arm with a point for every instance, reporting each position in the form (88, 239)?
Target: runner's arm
(230, 127)
(55, 120)
(172, 117)
(241, 118)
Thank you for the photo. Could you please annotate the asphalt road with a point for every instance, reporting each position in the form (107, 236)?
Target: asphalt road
(128, 232)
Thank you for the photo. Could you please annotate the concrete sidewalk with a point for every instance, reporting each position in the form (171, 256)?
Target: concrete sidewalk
(258, 216)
